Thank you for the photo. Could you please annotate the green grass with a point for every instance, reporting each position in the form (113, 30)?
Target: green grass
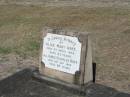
(5, 50)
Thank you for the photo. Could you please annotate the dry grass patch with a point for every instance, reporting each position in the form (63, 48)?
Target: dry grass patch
(20, 26)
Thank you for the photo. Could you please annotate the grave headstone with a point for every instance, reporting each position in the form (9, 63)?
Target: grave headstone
(66, 56)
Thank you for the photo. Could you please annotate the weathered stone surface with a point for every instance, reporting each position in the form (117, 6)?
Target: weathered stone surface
(61, 48)
(23, 84)
(122, 95)
(97, 90)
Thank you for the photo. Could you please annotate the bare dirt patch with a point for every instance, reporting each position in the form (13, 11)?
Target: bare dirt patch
(12, 63)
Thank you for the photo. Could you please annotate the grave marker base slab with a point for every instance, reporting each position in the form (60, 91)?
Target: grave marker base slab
(24, 84)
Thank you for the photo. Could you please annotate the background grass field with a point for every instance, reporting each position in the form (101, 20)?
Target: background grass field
(20, 37)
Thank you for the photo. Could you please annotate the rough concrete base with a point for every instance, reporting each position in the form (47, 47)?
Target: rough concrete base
(22, 84)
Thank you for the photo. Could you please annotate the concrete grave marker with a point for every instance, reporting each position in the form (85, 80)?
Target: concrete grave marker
(66, 56)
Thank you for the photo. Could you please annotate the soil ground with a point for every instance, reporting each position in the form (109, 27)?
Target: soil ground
(20, 31)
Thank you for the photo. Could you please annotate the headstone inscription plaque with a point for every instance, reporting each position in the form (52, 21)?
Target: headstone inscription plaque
(66, 56)
(61, 52)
